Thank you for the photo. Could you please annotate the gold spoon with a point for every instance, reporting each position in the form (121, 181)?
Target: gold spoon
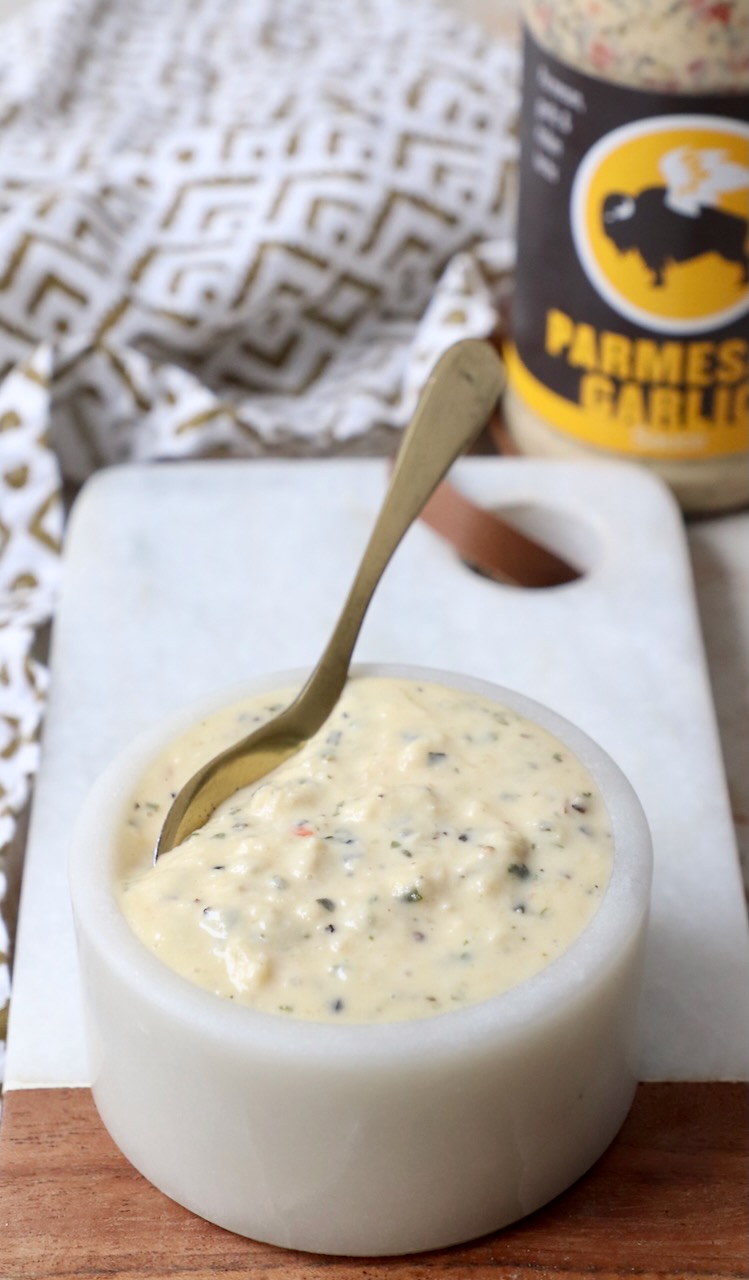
(456, 403)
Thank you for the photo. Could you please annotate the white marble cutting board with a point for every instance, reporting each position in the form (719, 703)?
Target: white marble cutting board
(185, 578)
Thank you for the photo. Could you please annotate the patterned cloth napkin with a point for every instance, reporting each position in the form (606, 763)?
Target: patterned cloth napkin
(226, 229)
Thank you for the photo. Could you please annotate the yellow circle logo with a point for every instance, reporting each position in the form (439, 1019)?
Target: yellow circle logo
(659, 214)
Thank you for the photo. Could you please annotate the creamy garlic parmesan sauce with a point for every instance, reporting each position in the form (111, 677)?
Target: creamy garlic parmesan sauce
(671, 46)
(427, 849)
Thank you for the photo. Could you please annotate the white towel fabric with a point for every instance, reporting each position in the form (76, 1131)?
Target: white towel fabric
(226, 229)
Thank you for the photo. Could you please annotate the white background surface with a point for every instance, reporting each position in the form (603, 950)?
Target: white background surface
(179, 580)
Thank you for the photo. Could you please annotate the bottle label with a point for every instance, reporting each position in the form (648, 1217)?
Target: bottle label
(631, 314)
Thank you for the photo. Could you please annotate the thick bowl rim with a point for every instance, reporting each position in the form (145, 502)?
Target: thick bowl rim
(539, 1001)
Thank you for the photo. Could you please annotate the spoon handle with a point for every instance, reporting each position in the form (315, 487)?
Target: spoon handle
(456, 403)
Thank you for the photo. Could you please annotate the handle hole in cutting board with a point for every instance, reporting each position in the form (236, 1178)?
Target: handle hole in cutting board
(567, 535)
(521, 543)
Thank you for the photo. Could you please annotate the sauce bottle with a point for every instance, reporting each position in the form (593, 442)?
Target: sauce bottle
(631, 315)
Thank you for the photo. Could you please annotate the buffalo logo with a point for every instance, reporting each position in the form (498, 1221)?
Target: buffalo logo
(683, 219)
(659, 212)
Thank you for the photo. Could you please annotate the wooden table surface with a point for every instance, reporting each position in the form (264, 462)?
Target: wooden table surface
(669, 1199)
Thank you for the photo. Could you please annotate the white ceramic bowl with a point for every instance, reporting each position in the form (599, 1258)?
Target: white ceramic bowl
(368, 1139)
